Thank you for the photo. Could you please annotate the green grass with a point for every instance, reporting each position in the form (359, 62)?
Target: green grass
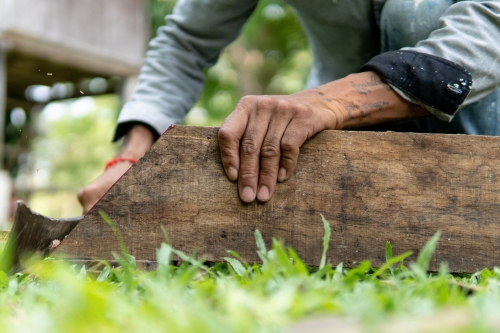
(235, 296)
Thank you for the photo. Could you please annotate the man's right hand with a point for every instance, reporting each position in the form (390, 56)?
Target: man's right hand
(137, 141)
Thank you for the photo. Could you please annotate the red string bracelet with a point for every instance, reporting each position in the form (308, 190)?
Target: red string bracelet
(115, 160)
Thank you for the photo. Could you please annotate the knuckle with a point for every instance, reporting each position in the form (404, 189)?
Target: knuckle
(302, 110)
(247, 100)
(284, 106)
(288, 163)
(289, 158)
(227, 155)
(247, 176)
(270, 151)
(265, 103)
(268, 175)
(287, 147)
(248, 147)
(225, 134)
(289, 143)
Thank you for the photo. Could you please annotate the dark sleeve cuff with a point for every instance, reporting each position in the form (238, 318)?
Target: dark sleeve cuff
(123, 128)
(435, 82)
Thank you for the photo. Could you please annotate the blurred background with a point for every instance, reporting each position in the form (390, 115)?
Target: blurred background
(67, 67)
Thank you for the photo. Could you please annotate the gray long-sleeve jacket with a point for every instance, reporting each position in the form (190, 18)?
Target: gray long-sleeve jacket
(343, 38)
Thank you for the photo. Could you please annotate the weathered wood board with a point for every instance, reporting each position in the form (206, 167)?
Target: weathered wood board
(371, 187)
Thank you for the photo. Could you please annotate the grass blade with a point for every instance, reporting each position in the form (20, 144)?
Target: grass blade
(236, 265)
(261, 246)
(388, 251)
(388, 255)
(390, 262)
(104, 274)
(326, 241)
(116, 231)
(425, 255)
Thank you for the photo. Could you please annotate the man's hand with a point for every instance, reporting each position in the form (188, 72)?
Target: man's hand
(260, 141)
(137, 141)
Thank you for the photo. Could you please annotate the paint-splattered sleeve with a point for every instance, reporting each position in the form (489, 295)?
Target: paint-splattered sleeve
(456, 66)
(437, 84)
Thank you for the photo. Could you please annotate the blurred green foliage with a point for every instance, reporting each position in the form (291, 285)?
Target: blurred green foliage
(72, 151)
(237, 296)
(270, 57)
(75, 144)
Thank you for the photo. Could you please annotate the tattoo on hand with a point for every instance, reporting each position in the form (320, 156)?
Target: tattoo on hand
(362, 88)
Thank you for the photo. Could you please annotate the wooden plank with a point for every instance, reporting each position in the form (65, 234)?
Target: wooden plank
(371, 187)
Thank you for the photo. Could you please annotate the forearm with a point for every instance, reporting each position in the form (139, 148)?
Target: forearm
(365, 100)
(137, 141)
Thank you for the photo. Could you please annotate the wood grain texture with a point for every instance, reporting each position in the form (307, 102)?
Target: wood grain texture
(371, 187)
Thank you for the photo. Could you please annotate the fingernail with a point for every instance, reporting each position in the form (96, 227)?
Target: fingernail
(281, 174)
(263, 194)
(232, 173)
(247, 195)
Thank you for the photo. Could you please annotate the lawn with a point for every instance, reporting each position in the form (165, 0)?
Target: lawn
(280, 294)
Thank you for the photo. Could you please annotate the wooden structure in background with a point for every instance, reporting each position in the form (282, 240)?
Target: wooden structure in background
(371, 187)
(46, 42)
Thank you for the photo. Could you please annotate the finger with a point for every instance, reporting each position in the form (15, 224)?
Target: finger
(230, 134)
(270, 153)
(250, 147)
(297, 132)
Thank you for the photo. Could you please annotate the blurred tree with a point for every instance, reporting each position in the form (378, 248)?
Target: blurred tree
(76, 141)
(71, 150)
(270, 57)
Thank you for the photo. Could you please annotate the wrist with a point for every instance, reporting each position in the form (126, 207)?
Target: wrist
(331, 99)
(116, 160)
(136, 142)
(339, 114)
